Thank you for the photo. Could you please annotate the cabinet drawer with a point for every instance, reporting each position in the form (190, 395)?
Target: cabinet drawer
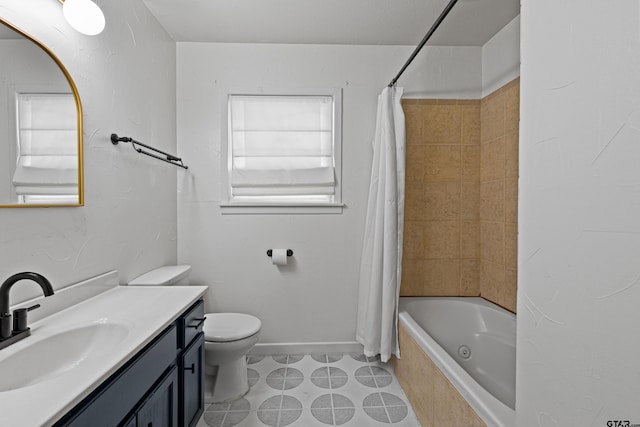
(191, 324)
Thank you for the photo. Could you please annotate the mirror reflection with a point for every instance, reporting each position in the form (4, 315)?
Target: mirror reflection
(40, 126)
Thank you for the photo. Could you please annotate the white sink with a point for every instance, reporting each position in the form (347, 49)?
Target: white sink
(54, 355)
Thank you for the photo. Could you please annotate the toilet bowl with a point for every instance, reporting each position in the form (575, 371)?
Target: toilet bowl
(228, 338)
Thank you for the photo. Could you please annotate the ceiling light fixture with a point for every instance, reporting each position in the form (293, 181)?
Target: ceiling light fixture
(84, 16)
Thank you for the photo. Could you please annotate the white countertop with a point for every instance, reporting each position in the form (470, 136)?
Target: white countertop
(143, 311)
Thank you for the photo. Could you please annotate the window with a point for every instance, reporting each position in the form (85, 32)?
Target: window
(284, 150)
(47, 145)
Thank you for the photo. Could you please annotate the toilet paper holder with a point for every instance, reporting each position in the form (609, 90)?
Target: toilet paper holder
(270, 252)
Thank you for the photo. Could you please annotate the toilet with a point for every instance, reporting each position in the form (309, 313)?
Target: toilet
(228, 338)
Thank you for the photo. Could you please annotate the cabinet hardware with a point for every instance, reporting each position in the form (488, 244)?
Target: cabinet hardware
(198, 323)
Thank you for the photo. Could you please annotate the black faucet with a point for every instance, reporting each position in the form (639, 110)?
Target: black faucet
(5, 315)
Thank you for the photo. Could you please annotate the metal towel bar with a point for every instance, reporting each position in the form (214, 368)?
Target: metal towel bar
(169, 158)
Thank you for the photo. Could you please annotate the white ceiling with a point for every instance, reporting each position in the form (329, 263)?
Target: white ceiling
(369, 22)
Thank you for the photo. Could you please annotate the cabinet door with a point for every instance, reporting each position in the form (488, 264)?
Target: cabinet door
(161, 408)
(192, 373)
(109, 404)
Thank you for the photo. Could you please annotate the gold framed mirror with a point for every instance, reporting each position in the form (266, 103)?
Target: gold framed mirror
(41, 163)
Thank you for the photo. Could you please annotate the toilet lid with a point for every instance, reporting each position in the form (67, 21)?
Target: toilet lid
(223, 327)
(162, 276)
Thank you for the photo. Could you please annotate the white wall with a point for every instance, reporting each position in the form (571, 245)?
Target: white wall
(315, 298)
(579, 247)
(501, 58)
(126, 80)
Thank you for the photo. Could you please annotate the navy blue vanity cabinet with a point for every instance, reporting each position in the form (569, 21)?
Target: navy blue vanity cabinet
(161, 408)
(191, 363)
(192, 384)
(161, 386)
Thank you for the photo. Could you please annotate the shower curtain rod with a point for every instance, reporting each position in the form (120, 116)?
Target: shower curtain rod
(432, 30)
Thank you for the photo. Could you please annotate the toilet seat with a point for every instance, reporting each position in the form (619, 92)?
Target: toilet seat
(226, 327)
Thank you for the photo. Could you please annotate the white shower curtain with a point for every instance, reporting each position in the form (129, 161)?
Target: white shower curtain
(381, 264)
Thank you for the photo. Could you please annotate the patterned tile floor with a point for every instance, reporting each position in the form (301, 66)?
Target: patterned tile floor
(316, 390)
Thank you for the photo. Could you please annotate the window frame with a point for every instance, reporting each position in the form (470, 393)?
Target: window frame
(230, 206)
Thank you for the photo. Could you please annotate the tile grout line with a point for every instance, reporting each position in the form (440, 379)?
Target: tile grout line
(333, 412)
(284, 384)
(384, 404)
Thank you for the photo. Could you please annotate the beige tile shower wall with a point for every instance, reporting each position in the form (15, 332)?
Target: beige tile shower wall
(500, 116)
(442, 232)
(461, 197)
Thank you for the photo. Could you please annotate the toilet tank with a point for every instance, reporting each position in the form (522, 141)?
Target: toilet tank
(164, 276)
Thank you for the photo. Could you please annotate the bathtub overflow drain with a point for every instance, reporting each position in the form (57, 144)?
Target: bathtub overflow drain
(464, 352)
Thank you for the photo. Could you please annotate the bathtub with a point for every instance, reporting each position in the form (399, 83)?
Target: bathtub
(473, 343)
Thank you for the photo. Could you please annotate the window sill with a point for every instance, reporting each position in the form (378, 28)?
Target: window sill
(230, 208)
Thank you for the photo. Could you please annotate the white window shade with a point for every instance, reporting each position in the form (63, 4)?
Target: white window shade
(47, 162)
(281, 146)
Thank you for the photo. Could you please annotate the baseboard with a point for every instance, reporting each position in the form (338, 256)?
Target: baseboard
(307, 348)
